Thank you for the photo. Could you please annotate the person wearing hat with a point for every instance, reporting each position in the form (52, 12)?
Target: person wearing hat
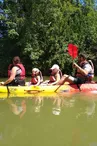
(37, 77)
(83, 72)
(55, 75)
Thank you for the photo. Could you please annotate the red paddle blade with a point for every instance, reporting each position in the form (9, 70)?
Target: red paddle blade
(72, 50)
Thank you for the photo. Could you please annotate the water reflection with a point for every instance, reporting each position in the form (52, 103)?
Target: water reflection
(90, 109)
(66, 120)
(17, 107)
(90, 106)
(59, 104)
(38, 103)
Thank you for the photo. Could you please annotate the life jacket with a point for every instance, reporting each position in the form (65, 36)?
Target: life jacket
(90, 75)
(21, 76)
(34, 79)
(53, 78)
(9, 69)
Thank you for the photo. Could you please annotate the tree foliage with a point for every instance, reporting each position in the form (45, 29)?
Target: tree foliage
(40, 30)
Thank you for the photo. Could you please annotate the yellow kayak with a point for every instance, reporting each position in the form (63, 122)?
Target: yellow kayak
(48, 89)
(30, 89)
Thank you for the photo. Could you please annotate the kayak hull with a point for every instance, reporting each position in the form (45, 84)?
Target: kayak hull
(49, 89)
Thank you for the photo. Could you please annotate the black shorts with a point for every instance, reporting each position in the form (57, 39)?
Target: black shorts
(78, 80)
(17, 82)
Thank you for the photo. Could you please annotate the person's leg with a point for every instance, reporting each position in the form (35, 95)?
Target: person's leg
(66, 78)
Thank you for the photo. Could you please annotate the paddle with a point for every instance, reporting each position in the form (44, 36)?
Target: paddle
(2, 84)
(73, 52)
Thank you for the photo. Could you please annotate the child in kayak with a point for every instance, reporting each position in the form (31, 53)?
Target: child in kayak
(37, 77)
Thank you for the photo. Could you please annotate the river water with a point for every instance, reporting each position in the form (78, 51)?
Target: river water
(59, 120)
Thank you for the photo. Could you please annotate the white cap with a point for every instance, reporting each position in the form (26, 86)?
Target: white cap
(55, 66)
(35, 69)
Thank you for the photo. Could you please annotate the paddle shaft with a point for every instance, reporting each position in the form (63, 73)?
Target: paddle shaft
(62, 82)
(58, 88)
(73, 52)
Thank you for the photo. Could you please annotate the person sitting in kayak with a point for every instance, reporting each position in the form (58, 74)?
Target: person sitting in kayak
(84, 72)
(16, 74)
(37, 77)
(55, 75)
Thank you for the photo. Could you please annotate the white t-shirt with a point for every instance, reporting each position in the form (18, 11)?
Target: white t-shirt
(88, 68)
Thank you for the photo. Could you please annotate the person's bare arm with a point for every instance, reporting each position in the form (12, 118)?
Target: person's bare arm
(57, 80)
(38, 83)
(82, 71)
(12, 76)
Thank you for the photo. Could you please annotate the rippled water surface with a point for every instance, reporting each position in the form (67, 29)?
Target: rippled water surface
(59, 120)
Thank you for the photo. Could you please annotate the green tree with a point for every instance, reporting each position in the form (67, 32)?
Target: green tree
(39, 31)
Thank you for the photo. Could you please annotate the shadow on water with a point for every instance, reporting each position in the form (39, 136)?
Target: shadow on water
(53, 120)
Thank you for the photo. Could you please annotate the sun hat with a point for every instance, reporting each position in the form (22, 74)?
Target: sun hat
(55, 66)
(35, 69)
